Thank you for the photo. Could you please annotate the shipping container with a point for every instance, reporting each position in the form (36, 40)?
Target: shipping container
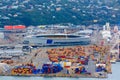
(16, 27)
(8, 27)
(63, 64)
(19, 27)
(51, 68)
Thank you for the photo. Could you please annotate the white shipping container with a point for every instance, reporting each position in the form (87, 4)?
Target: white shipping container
(63, 64)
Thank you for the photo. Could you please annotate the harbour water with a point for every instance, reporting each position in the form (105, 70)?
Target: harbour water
(114, 76)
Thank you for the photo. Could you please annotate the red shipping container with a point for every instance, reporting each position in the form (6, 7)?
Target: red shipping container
(62, 56)
(19, 27)
(8, 27)
(14, 27)
(66, 66)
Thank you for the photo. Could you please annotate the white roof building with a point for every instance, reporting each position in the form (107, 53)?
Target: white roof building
(4, 67)
(106, 34)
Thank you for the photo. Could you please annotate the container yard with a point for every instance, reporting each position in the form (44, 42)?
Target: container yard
(19, 57)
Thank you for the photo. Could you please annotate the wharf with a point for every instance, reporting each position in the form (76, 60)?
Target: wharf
(38, 57)
(60, 75)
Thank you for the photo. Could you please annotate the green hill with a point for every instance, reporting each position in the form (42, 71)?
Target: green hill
(36, 12)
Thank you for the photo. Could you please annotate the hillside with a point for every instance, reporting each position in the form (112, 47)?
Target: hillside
(36, 12)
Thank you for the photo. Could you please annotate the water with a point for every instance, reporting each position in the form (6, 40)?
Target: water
(114, 76)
